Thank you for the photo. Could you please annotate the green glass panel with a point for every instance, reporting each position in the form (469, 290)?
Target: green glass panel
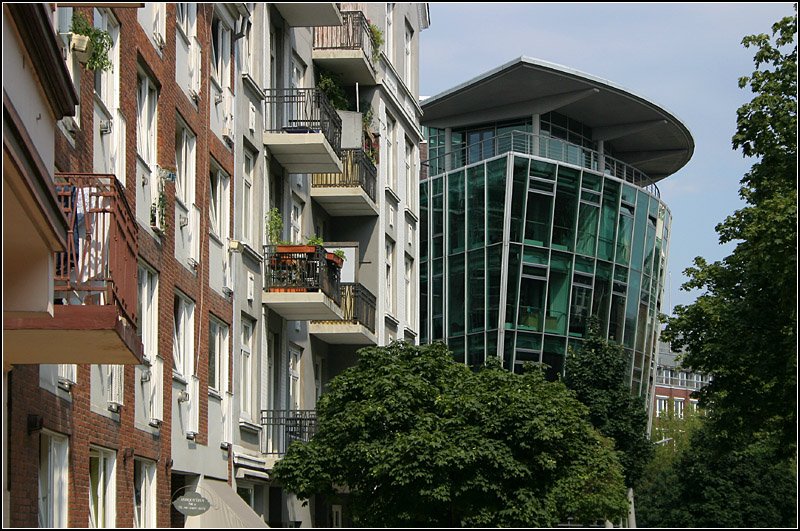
(518, 192)
(437, 218)
(602, 294)
(437, 299)
(629, 194)
(491, 344)
(584, 265)
(457, 149)
(423, 221)
(633, 305)
(423, 301)
(641, 327)
(608, 221)
(543, 170)
(476, 275)
(508, 351)
(533, 255)
(587, 229)
(640, 230)
(496, 197)
(494, 255)
(476, 200)
(565, 211)
(537, 219)
(456, 346)
(476, 353)
(514, 265)
(531, 304)
(625, 234)
(553, 356)
(456, 211)
(649, 249)
(579, 309)
(456, 300)
(558, 293)
(591, 181)
(616, 319)
(529, 341)
(621, 274)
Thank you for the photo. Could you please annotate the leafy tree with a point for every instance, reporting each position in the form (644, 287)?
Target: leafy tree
(741, 468)
(597, 374)
(420, 440)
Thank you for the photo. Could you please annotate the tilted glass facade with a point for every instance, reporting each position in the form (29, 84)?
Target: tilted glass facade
(520, 247)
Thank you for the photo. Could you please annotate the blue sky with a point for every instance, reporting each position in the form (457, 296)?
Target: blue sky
(687, 58)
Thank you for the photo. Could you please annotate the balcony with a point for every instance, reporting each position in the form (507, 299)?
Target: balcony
(284, 426)
(357, 325)
(351, 192)
(301, 15)
(305, 133)
(347, 49)
(302, 282)
(95, 281)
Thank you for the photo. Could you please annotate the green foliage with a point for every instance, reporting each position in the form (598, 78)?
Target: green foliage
(420, 440)
(330, 84)
(340, 254)
(274, 226)
(315, 240)
(100, 39)
(740, 467)
(597, 375)
(376, 36)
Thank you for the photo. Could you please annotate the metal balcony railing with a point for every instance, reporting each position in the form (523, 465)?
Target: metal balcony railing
(353, 34)
(284, 426)
(296, 110)
(357, 170)
(99, 266)
(541, 146)
(358, 306)
(302, 268)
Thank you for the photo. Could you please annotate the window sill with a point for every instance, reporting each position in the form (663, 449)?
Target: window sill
(392, 319)
(178, 377)
(410, 214)
(251, 83)
(213, 393)
(392, 195)
(249, 426)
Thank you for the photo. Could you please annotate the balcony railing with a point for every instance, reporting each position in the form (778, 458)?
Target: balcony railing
(358, 306)
(284, 426)
(357, 170)
(542, 146)
(353, 34)
(99, 266)
(302, 268)
(303, 111)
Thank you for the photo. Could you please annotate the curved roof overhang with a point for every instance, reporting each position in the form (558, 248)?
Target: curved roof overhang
(640, 132)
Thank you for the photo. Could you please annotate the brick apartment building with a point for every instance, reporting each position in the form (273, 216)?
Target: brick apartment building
(157, 342)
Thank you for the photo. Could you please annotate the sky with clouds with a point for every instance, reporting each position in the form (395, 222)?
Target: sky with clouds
(686, 58)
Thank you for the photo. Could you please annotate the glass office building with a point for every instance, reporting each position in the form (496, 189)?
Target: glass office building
(531, 223)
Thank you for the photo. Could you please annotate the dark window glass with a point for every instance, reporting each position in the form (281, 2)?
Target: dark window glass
(455, 208)
(456, 301)
(475, 206)
(496, 198)
(476, 275)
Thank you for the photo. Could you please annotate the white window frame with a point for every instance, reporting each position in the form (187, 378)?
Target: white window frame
(389, 36)
(410, 180)
(246, 369)
(183, 336)
(662, 405)
(147, 121)
(296, 220)
(113, 385)
(409, 295)
(53, 491)
(220, 52)
(144, 494)
(407, 59)
(186, 19)
(390, 304)
(108, 79)
(294, 377)
(63, 23)
(103, 488)
(185, 162)
(391, 170)
(147, 329)
(218, 349)
(247, 198)
(219, 203)
(159, 14)
(679, 407)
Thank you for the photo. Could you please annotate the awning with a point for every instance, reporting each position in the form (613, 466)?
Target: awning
(228, 509)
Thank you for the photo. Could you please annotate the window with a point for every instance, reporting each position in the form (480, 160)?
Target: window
(679, 402)
(682, 378)
(185, 143)
(146, 121)
(390, 155)
(247, 493)
(247, 49)
(694, 405)
(152, 391)
(296, 221)
(63, 24)
(411, 181)
(220, 52)
(53, 480)
(217, 355)
(294, 378)
(144, 493)
(247, 199)
(112, 385)
(389, 283)
(661, 406)
(106, 82)
(218, 204)
(409, 37)
(246, 368)
(102, 488)
(409, 292)
(187, 19)
(389, 41)
(159, 17)
(110, 124)
(183, 337)
(336, 516)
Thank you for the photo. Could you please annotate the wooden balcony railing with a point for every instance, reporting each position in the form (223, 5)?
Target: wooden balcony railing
(99, 266)
(357, 170)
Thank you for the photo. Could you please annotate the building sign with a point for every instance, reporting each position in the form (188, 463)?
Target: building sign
(192, 504)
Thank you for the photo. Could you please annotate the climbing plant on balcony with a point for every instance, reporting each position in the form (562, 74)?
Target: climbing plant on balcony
(330, 84)
(100, 42)
(376, 36)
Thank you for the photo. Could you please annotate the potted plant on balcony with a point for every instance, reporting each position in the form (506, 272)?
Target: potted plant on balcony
(91, 45)
(337, 257)
(330, 85)
(376, 36)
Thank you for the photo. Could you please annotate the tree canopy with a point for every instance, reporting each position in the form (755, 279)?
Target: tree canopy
(597, 374)
(420, 440)
(740, 469)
